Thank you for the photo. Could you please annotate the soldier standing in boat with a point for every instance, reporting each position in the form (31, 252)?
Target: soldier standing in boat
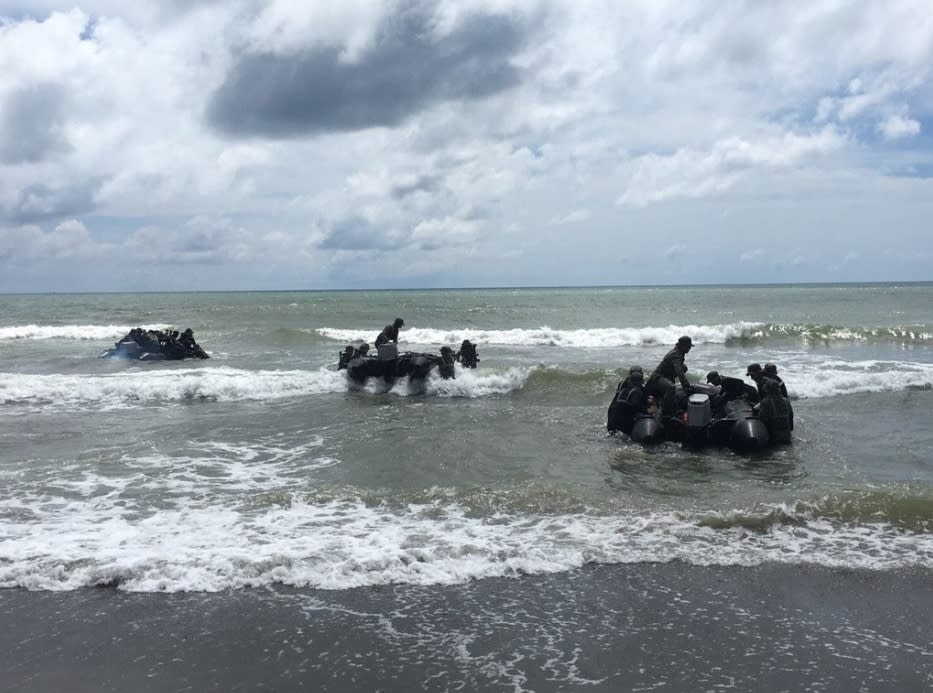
(672, 367)
(390, 332)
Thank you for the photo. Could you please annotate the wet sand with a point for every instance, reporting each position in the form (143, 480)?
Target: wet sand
(671, 627)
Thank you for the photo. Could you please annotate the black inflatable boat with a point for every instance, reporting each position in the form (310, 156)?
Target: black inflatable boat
(710, 418)
(156, 345)
(389, 365)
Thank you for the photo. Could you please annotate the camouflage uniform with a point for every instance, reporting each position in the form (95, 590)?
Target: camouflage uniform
(661, 383)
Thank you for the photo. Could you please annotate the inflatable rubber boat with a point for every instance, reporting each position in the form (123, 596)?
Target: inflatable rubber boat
(710, 417)
(388, 364)
(156, 345)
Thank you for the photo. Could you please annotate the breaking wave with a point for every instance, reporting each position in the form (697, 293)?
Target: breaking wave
(730, 334)
(155, 387)
(547, 336)
(737, 333)
(80, 332)
(809, 334)
(229, 384)
(312, 540)
(805, 377)
(810, 379)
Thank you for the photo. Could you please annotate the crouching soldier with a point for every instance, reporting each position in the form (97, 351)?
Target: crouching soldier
(627, 403)
(776, 413)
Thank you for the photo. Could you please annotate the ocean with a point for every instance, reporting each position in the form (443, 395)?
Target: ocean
(480, 533)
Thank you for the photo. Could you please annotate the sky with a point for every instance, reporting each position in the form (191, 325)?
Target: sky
(296, 144)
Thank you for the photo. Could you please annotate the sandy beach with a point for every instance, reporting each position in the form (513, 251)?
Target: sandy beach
(604, 628)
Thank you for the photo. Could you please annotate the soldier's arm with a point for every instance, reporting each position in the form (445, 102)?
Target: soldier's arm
(681, 373)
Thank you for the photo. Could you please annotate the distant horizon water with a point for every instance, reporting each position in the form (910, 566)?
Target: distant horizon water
(488, 288)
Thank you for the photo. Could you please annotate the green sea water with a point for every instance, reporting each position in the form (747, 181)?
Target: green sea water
(263, 465)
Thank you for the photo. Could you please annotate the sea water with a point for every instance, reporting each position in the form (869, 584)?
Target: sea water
(264, 466)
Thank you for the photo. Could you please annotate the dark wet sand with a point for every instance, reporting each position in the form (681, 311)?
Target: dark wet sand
(670, 627)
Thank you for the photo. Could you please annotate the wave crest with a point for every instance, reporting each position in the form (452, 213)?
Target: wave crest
(79, 332)
(730, 334)
(230, 384)
(210, 383)
(346, 542)
(547, 336)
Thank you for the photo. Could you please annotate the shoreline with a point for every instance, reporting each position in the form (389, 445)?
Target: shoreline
(617, 627)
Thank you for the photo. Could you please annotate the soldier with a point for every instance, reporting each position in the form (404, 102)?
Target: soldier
(672, 367)
(771, 372)
(757, 373)
(627, 403)
(390, 332)
(467, 354)
(343, 359)
(776, 413)
(191, 347)
(446, 367)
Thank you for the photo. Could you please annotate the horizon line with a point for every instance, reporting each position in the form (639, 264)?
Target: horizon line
(482, 288)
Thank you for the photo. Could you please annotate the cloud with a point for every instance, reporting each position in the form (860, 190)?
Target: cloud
(694, 173)
(859, 101)
(896, 127)
(200, 241)
(66, 241)
(365, 143)
(31, 126)
(410, 185)
(675, 251)
(435, 234)
(38, 201)
(407, 67)
(357, 233)
(574, 217)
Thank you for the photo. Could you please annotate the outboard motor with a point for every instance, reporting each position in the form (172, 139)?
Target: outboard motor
(647, 430)
(699, 413)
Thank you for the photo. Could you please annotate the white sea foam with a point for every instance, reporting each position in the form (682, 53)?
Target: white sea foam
(85, 332)
(827, 333)
(161, 386)
(811, 377)
(466, 383)
(546, 336)
(216, 545)
(806, 377)
(146, 387)
(540, 336)
(260, 466)
(478, 383)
